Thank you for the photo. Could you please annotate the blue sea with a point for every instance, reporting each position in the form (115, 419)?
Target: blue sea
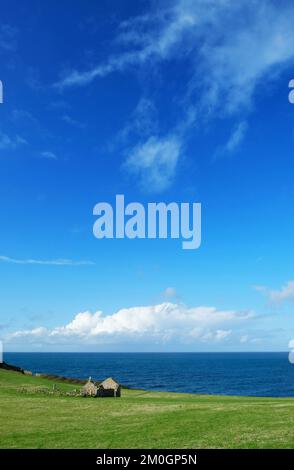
(247, 374)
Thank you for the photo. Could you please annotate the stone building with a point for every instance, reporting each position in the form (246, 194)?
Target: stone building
(109, 388)
(90, 389)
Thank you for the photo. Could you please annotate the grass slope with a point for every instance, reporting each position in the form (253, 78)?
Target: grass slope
(139, 419)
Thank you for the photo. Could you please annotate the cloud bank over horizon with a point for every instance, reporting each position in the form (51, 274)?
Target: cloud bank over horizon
(165, 324)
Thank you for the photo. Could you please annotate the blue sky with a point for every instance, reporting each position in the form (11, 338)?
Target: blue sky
(182, 101)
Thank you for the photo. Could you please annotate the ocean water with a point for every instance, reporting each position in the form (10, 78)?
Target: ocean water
(247, 374)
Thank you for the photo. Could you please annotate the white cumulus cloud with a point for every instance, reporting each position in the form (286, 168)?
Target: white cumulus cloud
(166, 322)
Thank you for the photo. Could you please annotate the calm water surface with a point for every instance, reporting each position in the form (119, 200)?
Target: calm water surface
(254, 374)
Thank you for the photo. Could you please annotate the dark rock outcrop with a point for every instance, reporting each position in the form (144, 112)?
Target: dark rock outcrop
(4, 365)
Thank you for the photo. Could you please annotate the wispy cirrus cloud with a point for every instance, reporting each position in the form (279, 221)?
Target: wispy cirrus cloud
(154, 162)
(142, 123)
(234, 141)
(200, 32)
(73, 122)
(10, 143)
(285, 293)
(53, 262)
(23, 115)
(8, 37)
(236, 137)
(161, 33)
(49, 155)
(213, 41)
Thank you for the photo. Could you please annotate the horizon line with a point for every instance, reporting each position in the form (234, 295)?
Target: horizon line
(144, 352)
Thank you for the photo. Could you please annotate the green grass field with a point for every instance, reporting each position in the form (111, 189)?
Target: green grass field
(138, 420)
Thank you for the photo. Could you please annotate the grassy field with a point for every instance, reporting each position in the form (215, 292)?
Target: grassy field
(30, 419)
